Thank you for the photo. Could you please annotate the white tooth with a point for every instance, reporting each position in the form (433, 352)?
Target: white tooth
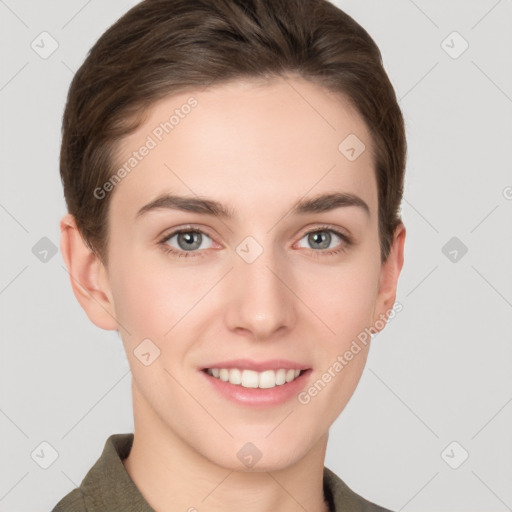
(290, 375)
(267, 379)
(235, 376)
(249, 379)
(280, 377)
(252, 379)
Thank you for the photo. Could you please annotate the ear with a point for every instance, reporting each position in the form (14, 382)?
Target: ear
(89, 278)
(390, 271)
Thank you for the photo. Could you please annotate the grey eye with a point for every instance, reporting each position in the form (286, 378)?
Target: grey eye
(320, 239)
(189, 240)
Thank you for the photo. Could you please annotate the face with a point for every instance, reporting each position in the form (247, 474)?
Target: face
(272, 265)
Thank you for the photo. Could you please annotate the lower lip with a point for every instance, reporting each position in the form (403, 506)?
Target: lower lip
(259, 397)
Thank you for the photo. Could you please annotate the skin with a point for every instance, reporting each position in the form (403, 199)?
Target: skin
(257, 147)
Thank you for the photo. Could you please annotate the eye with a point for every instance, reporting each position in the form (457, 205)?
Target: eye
(187, 241)
(321, 240)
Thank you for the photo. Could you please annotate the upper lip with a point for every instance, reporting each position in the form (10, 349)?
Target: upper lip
(258, 366)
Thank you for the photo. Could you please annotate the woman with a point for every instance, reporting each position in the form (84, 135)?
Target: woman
(233, 173)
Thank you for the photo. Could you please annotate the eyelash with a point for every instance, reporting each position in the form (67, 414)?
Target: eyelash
(317, 253)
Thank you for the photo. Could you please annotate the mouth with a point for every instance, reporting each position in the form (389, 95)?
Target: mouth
(265, 379)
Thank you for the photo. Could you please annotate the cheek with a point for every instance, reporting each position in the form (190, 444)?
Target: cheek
(149, 299)
(344, 298)
(136, 304)
(345, 302)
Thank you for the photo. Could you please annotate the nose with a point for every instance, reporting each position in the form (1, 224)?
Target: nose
(261, 301)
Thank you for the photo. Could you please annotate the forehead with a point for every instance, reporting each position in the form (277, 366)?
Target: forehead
(246, 143)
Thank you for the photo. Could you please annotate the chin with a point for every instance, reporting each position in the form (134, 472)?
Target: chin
(252, 454)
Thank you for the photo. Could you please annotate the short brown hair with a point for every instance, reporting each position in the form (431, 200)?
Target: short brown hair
(163, 47)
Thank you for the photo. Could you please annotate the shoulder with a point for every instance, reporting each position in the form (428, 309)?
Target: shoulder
(72, 502)
(343, 497)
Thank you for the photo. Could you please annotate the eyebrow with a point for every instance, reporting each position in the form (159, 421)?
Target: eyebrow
(205, 206)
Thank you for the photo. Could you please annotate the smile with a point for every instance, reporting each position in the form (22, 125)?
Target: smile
(253, 379)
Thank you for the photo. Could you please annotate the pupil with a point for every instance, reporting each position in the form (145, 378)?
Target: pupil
(323, 236)
(189, 238)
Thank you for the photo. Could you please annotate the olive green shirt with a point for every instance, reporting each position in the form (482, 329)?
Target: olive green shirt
(107, 487)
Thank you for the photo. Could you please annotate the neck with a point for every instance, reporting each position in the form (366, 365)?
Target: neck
(172, 476)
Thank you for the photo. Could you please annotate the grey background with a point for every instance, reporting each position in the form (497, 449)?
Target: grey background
(440, 371)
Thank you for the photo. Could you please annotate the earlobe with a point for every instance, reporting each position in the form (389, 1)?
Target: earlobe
(88, 276)
(390, 272)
